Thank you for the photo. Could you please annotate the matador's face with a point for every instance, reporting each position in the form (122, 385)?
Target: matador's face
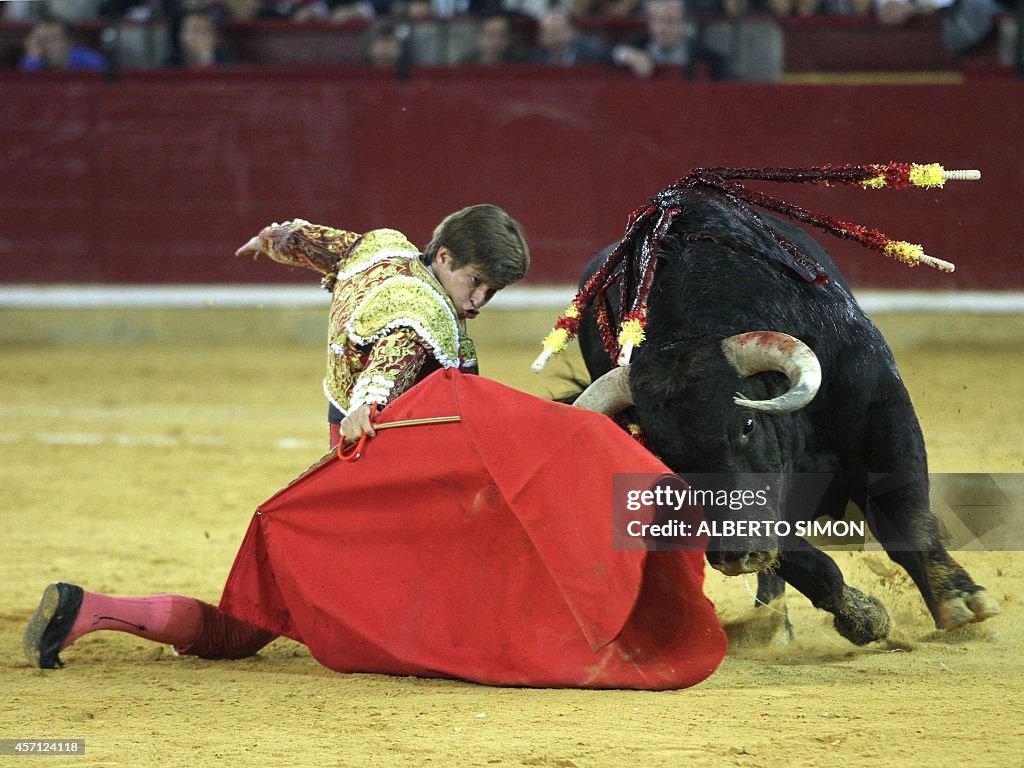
(465, 286)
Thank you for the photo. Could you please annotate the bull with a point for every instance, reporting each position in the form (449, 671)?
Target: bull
(746, 368)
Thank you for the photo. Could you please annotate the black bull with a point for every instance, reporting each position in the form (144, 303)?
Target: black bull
(714, 281)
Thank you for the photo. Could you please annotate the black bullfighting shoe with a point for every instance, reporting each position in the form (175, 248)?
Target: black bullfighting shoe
(50, 624)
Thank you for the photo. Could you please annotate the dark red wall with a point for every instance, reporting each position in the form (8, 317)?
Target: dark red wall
(159, 177)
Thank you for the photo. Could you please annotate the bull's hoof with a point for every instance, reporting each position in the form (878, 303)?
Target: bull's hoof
(861, 618)
(965, 608)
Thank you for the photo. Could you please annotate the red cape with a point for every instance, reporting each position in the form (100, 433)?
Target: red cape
(481, 550)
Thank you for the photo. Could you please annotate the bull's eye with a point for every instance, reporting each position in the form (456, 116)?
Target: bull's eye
(748, 427)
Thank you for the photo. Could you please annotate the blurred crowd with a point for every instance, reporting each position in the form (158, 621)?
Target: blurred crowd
(663, 32)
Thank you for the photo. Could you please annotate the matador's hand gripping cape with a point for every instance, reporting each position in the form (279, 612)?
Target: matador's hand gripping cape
(391, 321)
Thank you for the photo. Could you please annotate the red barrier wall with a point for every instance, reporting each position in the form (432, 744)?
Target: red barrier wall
(158, 178)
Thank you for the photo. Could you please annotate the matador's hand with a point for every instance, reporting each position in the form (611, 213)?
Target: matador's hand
(356, 424)
(252, 249)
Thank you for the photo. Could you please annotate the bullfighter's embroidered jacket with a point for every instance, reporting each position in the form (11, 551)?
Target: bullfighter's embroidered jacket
(391, 321)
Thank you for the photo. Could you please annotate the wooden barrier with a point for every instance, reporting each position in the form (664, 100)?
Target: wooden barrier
(159, 177)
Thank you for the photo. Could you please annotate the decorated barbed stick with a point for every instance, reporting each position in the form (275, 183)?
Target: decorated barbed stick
(870, 176)
(654, 220)
(910, 254)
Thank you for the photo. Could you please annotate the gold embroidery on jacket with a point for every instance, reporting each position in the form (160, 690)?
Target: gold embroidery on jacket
(390, 320)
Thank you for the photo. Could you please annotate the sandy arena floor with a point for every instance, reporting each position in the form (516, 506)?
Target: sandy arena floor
(135, 446)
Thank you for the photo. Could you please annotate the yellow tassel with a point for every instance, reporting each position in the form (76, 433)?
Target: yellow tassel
(876, 183)
(572, 312)
(909, 253)
(632, 332)
(556, 340)
(927, 175)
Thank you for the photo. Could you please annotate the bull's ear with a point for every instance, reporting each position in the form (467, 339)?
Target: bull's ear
(659, 376)
(674, 369)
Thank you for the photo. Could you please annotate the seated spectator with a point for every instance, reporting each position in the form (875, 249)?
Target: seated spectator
(858, 8)
(494, 42)
(198, 43)
(135, 10)
(416, 10)
(750, 42)
(49, 46)
(383, 44)
(249, 10)
(736, 9)
(801, 8)
(69, 11)
(607, 9)
(668, 41)
(341, 11)
(560, 42)
(221, 10)
(413, 10)
(534, 9)
(965, 23)
(894, 13)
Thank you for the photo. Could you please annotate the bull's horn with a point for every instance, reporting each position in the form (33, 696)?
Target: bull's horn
(757, 351)
(609, 394)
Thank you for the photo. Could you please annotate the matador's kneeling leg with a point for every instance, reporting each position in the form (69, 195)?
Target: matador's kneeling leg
(225, 637)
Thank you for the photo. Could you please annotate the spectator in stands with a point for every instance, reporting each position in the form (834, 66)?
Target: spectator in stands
(801, 8)
(535, 9)
(250, 10)
(341, 11)
(136, 10)
(222, 10)
(965, 23)
(894, 13)
(748, 41)
(49, 46)
(198, 44)
(414, 10)
(668, 41)
(736, 9)
(560, 42)
(608, 9)
(859, 8)
(437, 9)
(70, 11)
(383, 44)
(495, 43)
(241, 10)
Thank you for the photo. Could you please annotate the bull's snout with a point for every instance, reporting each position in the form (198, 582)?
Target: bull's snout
(733, 563)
